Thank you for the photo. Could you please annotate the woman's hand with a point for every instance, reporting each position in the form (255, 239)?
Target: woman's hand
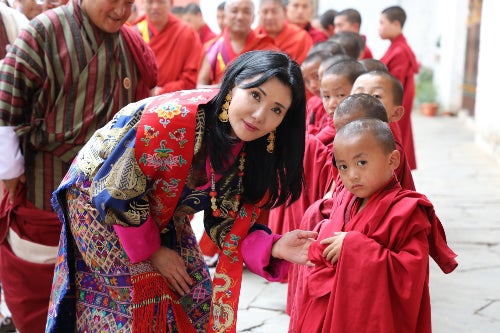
(294, 246)
(171, 266)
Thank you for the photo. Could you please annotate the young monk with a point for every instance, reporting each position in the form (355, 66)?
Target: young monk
(336, 84)
(315, 115)
(371, 258)
(401, 62)
(353, 107)
(388, 89)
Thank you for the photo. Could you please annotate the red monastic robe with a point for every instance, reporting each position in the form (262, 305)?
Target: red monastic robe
(316, 34)
(316, 116)
(206, 34)
(177, 49)
(327, 133)
(367, 53)
(401, 62)
(319, 176)
(292, 40)
(220, 53)
(380, 282)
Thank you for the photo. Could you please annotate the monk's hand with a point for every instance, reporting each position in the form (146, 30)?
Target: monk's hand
(294, 246)
(332, 251)
(11, 186)
(171, 266)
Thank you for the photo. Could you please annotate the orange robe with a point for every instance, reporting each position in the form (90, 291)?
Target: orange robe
(292, 40)
(220, 53)
(176, 49)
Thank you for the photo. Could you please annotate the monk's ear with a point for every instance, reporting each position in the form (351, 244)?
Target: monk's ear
(397, 114)
(394, 159)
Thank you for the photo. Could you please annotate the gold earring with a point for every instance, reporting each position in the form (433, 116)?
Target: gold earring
(270, 142)
(224, 115)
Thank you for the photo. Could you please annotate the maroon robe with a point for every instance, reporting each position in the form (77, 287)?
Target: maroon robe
(401, 62)
(380, 282)
(319, 176)
(327, 133)
(316, 115)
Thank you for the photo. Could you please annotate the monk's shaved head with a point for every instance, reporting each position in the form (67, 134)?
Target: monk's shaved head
(376, 129)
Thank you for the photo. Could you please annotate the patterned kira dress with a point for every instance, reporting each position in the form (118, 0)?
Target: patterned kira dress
(96, 287)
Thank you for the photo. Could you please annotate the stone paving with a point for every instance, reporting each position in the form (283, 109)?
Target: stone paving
(463, 182)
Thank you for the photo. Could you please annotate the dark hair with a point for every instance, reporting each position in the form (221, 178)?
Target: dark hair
(352, 42)
(396, 86)
(326, 19)
(395, 13)
(279, 175)
(328, 45)
(370, 126)
(349, 68)
(371, 64)
(177, 10)
(364, 104)
(351, 14)
(192, 8)
(221, 5)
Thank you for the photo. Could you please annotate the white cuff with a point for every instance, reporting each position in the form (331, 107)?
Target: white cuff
(11, 159)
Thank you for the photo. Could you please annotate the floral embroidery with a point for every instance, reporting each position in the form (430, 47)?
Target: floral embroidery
(171, 188)
(149, 133)
(179, 136)
(169, 111)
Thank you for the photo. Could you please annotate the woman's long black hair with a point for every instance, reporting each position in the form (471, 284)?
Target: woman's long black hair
(278, 176)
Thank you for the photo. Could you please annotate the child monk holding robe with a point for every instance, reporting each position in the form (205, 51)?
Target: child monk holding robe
(371, 257)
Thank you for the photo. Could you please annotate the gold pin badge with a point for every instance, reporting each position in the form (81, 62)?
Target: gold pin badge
(126, 83)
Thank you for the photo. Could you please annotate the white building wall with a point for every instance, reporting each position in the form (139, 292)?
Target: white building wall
(487, 111)
(450, 60)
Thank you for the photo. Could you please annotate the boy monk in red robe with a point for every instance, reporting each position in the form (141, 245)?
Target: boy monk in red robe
(371, 258)
(401, 62)
(353, 107)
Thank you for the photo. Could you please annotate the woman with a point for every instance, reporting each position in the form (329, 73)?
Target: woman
(127, 250)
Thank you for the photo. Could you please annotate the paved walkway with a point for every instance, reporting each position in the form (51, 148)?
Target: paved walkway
(464, 184)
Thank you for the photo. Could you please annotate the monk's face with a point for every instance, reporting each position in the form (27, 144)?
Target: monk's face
(310, 74)
(107, 15)
(299, 12)
(380, 88)
(334, 89)
(363, 165)
(342, 24)
(239, 16)
(157, 11)
(272, 16)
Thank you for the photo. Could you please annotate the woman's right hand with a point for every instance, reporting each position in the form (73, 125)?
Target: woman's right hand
(171, 266)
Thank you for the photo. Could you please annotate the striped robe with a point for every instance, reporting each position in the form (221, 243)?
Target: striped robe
(62, 80)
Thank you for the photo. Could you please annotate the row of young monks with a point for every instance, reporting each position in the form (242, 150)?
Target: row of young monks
(369, 267)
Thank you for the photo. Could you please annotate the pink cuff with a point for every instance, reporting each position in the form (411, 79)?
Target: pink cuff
(139, 242)
(256, 250)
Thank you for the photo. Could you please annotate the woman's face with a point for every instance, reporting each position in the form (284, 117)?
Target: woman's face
(255, 112)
